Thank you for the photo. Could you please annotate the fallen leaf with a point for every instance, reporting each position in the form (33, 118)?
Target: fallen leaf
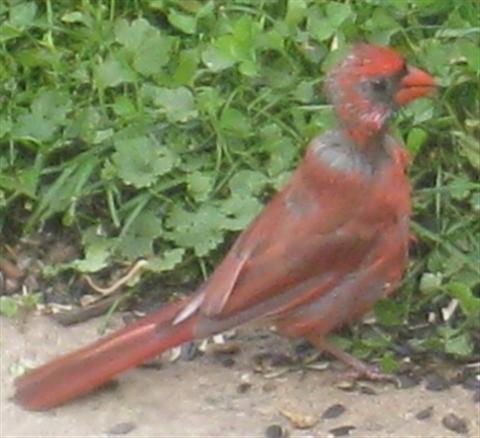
(299, 420)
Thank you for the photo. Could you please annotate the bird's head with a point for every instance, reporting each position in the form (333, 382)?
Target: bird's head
(369, 85)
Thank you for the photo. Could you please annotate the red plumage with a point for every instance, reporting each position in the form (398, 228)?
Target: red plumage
(320, 254)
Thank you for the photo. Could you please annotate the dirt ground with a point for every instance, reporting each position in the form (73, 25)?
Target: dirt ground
(205, 398)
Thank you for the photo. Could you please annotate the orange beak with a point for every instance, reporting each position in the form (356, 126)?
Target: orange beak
(414, 85)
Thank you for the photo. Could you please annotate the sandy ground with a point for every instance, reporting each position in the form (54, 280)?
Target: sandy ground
(201, 398)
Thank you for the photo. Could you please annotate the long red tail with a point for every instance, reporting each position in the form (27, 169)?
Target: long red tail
(78, 372)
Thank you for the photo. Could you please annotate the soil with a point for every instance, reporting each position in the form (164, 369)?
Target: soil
(208, 397)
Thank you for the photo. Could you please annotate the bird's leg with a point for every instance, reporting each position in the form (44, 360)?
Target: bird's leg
(360, 368)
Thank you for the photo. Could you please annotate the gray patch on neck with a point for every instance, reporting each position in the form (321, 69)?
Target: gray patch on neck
(338, 151)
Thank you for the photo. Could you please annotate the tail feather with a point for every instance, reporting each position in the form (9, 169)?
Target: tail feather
(78, 372)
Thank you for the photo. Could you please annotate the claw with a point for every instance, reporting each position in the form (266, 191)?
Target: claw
(360, 370)
(371, 373)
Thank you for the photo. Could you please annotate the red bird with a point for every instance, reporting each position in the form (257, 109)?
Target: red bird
(325, 248)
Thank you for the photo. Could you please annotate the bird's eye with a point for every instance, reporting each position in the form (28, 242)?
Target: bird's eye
(379, 85)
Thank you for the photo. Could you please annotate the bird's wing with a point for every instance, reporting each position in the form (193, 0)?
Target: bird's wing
(304, 235)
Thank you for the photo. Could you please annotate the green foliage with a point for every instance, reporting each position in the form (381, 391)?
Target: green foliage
(157, 129)
(13, 306)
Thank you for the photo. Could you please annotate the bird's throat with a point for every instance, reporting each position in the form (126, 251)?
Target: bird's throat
(363, 121)
(367, 129)
(363, 139)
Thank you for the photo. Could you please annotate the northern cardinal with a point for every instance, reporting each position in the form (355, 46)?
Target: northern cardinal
(325, 248)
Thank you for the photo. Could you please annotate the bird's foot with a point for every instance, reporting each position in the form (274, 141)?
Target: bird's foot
(360, 370)
(368, 372)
